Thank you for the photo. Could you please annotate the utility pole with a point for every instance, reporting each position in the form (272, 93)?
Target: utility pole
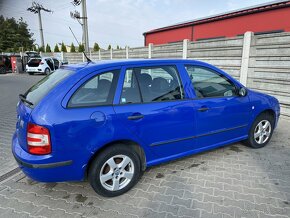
(36, 9)
(86, 31)
(84, 23)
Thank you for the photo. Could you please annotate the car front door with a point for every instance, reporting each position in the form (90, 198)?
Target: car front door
(152, 105)
(55, 63)
(222, 116)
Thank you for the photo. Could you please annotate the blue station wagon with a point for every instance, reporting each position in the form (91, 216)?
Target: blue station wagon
(107, 121)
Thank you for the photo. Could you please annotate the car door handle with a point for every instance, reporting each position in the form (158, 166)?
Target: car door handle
(136, 117)
(203, 109)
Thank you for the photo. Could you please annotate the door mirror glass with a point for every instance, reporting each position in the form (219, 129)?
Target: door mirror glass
(242, 92)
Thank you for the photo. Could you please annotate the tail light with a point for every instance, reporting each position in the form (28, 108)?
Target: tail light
(38, 139)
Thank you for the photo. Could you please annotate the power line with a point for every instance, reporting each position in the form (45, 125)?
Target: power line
(36, 8)
(84, 23)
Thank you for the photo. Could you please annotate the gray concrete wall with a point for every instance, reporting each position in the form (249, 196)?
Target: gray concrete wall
(269, 67)
(261, 62)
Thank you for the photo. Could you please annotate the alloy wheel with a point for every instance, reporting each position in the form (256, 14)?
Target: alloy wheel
(117, 172)
(262, 132)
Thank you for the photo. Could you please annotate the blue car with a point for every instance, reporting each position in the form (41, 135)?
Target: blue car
(108, 121)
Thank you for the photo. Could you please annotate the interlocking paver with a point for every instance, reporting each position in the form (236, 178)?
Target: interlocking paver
(233, 181)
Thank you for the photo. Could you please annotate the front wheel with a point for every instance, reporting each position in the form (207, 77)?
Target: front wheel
(261, 131)
(115, 171)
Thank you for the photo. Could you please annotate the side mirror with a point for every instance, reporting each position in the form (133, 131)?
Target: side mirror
(242, 92)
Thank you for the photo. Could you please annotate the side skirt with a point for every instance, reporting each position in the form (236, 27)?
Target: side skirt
(195, 151)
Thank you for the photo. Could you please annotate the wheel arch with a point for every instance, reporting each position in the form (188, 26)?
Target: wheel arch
(268, 111)
(134, 145)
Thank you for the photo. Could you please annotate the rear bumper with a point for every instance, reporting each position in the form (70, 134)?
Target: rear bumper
(44, 168)
(34, 70)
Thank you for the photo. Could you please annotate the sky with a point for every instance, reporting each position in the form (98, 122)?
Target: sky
(115, 22)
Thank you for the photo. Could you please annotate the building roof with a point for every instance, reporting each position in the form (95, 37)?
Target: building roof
(243, 11)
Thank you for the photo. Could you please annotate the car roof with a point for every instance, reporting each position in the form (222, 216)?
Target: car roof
(120, 62)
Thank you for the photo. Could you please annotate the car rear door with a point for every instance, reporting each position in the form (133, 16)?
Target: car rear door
(151, 104)
(222, 116)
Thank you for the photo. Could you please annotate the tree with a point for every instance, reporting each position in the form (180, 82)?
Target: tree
(34, 48)
(56, 49)
(63, 47)
(41, 49)
(14, 35)
(96, 47)
(47, 49)
(109, 47)
(81, 48)
(118, 47)
(72, 48)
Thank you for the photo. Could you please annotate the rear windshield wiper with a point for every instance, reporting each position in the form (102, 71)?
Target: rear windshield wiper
(23, 98)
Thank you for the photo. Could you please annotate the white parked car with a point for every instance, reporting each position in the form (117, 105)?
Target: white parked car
(44, 65)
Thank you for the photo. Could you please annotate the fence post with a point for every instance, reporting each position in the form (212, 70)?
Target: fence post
(246, 57)
(111, 53)
(100, 54)
(184, 49)
(61, 56)
(127, 52)
(150, 46)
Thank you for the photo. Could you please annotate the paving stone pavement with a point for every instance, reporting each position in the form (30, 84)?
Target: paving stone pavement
(234, 181)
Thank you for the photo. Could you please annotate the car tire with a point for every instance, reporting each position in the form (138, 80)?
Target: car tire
(47, 71)
(115, 170)
(2, 70)
(261, 131)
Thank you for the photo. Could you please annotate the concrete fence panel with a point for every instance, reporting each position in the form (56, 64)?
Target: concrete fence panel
(261, 62)
(269, 67)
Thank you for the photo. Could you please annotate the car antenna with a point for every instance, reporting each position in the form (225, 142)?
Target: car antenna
(88, 60)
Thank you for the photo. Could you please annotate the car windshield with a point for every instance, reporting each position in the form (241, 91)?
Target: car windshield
(34, 60)
(40, 89)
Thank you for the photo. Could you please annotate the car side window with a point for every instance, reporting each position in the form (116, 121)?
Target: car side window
(208, 83)
(99, 90)
(161, 83)
(130, 91)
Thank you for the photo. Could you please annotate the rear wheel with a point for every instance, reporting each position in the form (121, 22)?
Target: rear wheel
(2, 70)
(47, 71)
(115, 171)
(261, 131)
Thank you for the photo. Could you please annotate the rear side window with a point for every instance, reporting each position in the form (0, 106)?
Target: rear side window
(152, 84)
(40, 89)
(130, 92)
(208, 83)
(99, 90)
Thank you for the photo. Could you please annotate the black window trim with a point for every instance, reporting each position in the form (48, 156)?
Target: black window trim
(150, 67)
(111, 95)
(214, 71)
